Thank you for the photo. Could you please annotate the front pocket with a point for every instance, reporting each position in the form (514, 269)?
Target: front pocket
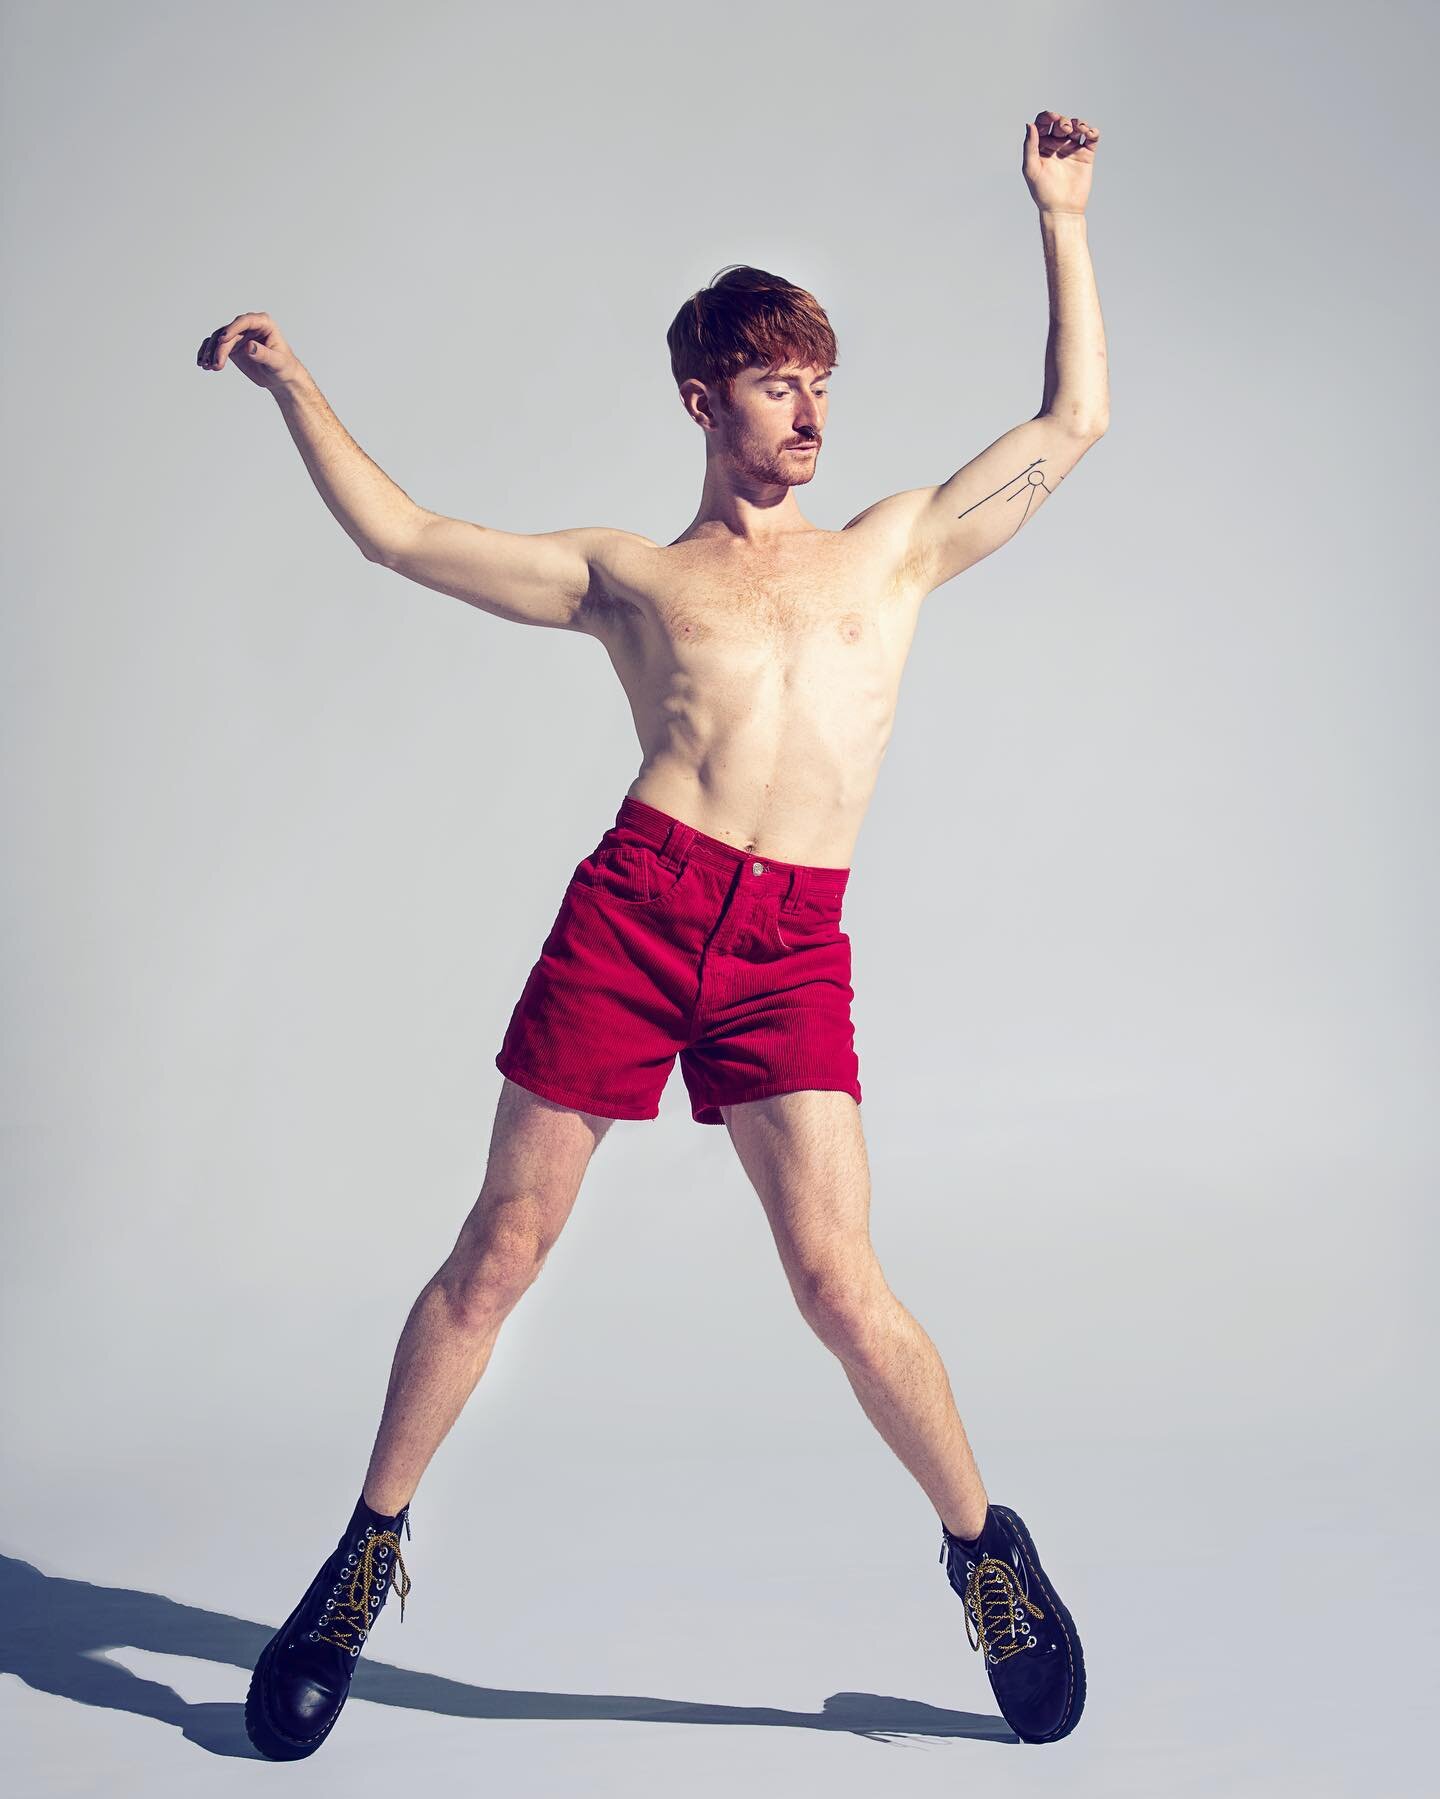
(626, 874)
(816, 922)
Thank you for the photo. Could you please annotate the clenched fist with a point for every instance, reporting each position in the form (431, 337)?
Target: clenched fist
(259, 350)
(1059, 156)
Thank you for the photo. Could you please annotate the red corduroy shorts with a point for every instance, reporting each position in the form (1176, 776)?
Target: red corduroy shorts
(670, 942)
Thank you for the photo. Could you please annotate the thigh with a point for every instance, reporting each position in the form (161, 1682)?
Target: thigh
(539, 1152)
(805, 1155)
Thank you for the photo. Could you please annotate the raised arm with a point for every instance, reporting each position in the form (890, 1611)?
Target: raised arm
(944, 529)
(541, 579)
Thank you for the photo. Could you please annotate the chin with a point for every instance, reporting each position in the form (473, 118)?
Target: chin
(793, 475)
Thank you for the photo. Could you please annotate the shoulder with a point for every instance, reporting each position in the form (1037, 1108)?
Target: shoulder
(888, 529)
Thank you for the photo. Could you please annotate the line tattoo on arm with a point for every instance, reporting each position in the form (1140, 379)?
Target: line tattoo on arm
(1032, 479)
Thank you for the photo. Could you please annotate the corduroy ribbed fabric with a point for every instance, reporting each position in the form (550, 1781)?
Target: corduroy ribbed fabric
(671, 942)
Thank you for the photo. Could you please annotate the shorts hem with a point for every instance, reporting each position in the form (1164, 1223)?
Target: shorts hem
(565, 1096)
(771, 1092)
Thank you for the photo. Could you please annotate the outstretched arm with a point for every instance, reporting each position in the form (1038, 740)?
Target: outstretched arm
(544, 578)
(947, 528)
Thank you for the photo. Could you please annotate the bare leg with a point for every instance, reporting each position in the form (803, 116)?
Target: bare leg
(805, 1156)
(539, 1152)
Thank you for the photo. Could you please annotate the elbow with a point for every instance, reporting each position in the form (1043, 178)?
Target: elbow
(1078, 422)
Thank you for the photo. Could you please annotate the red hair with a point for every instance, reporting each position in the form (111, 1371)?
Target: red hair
(747, 318)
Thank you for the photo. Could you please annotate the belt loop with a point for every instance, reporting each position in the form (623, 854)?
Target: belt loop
(678, 839)
(795, 893)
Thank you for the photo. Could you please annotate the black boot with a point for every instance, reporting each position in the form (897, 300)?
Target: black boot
(1014, 1616)
(302, 1678)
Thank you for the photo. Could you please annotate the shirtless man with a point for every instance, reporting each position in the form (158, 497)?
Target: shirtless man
(761, 656)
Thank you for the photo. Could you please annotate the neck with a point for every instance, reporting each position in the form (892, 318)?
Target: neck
(746, 513)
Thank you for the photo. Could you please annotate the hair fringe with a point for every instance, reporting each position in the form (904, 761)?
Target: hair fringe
(746, 317)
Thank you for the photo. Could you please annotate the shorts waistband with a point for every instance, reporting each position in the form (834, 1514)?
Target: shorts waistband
(675, 840)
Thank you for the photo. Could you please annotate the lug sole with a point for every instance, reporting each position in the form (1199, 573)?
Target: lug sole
(1072, 1636)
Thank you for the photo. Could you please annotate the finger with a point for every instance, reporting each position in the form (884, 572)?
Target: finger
(227, 335)
(211, 347)
(234, 333)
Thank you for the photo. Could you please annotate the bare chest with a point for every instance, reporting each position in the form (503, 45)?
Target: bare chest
(826, 604)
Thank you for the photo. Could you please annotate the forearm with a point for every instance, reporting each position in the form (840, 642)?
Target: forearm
(1077, 379)
(368, 505)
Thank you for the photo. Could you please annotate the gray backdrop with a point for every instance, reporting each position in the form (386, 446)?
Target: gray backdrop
(1142, 914)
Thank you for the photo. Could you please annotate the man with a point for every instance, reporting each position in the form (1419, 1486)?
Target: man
(761, 656)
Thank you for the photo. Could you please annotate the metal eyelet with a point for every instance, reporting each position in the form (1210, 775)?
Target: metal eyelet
(1031, 1643)
(355, 1650)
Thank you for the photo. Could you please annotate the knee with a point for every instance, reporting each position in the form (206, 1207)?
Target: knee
(491, 1266)
(842, 1304)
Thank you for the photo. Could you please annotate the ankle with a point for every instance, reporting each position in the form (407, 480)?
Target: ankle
(387, 1510)
(968, 1530)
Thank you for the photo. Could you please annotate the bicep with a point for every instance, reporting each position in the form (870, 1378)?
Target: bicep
(542, 578)
(987, 501)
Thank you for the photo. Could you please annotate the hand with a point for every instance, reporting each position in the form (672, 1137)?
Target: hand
(259, 350)
(1059, 155)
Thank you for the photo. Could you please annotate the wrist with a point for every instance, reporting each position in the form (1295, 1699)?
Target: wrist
(293, 381)
(1061, 212)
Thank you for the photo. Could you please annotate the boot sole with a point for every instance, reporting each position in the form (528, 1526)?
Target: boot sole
(1072, 1636)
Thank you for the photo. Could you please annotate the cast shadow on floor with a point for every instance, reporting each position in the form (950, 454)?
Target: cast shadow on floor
(54, 1634)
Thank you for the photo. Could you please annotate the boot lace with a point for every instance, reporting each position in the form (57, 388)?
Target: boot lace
(995, 1610)
(365, 1577)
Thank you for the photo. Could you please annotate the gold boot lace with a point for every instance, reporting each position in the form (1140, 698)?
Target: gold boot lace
(349, 1611)
(995, 1608)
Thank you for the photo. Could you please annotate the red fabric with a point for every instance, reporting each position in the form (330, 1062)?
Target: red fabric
(670, 942)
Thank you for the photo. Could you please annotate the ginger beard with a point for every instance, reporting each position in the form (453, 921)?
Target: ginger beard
(753, 455)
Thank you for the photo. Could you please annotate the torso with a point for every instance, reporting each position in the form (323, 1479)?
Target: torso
(763, 682)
